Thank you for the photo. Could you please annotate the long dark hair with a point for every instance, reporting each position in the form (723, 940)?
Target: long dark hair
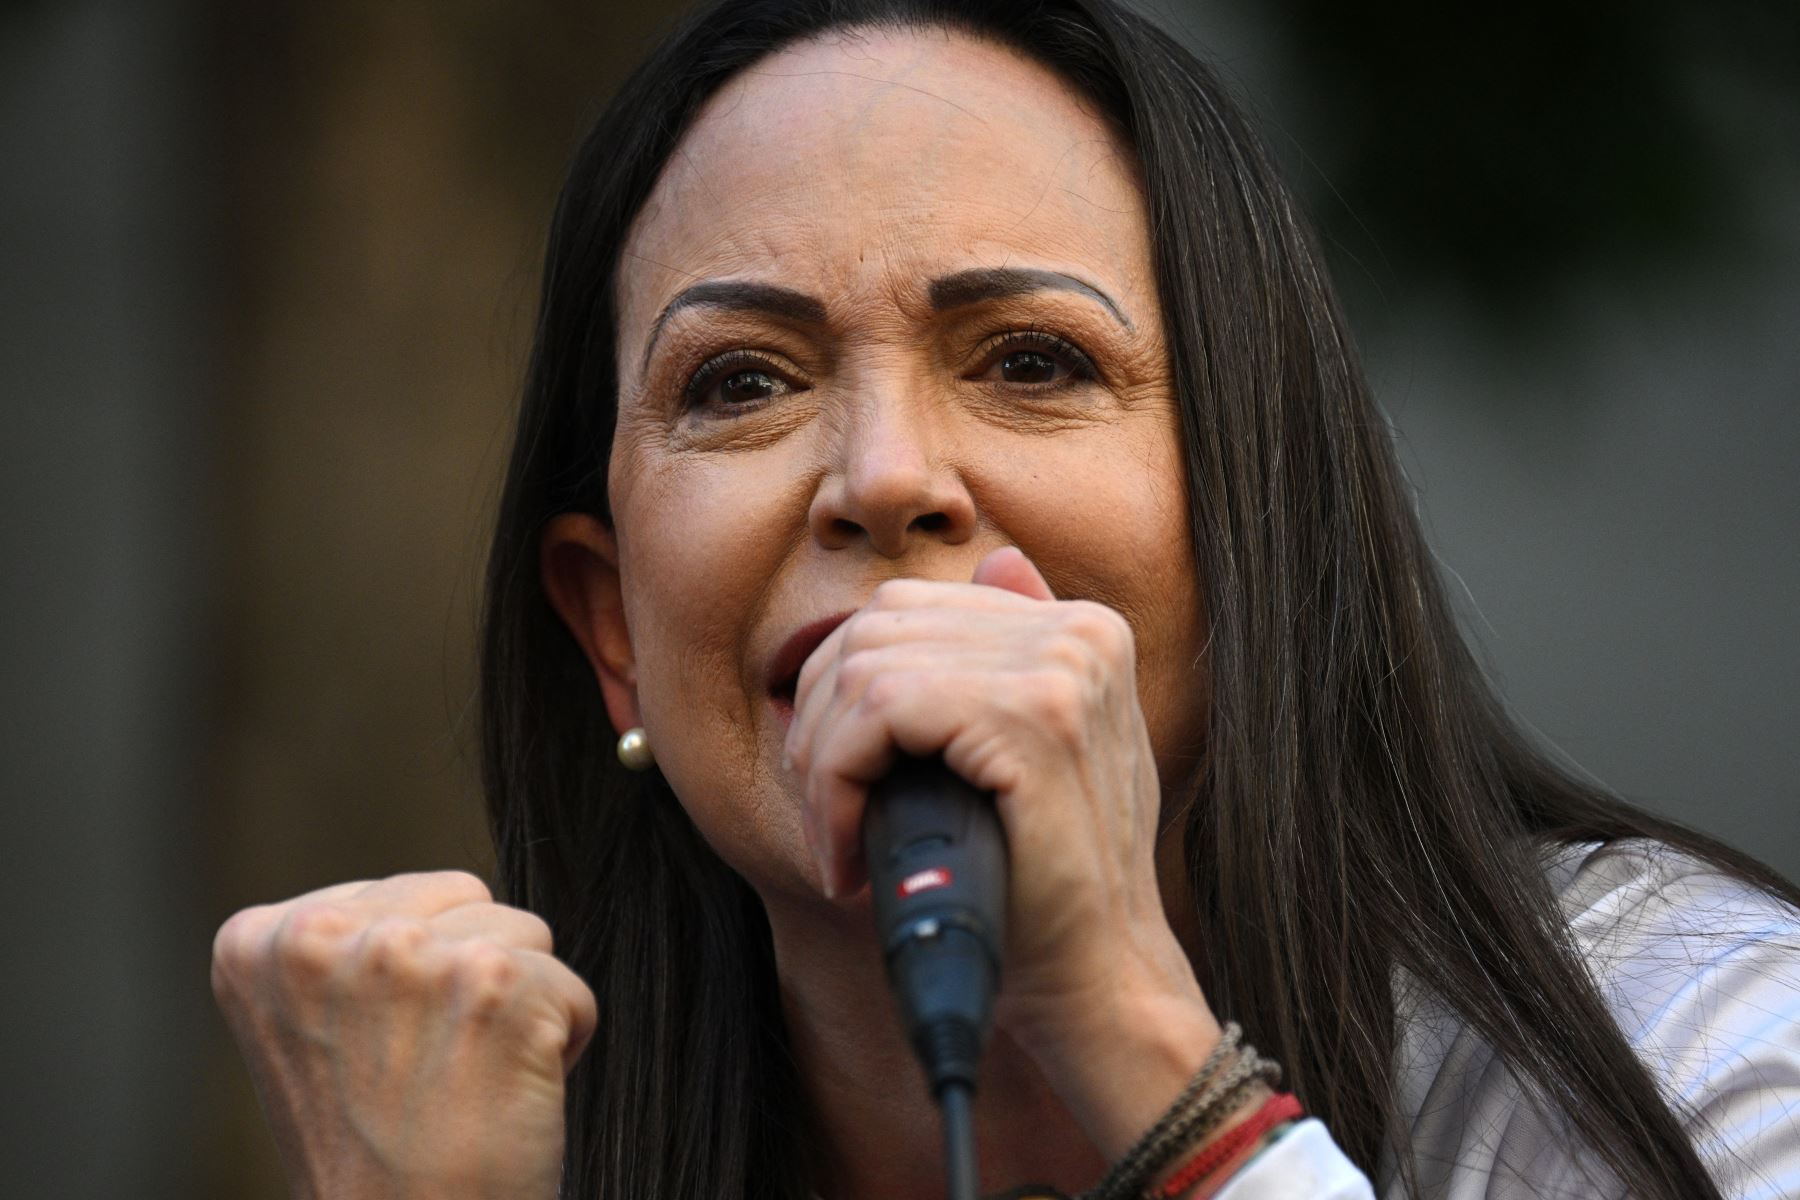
(1365, 807)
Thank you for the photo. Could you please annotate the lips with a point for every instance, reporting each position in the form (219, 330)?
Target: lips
(783, 673)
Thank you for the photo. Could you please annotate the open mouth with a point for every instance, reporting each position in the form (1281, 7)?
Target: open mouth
(784, 668)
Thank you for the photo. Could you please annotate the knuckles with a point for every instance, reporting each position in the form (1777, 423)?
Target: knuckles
(882, 692)
(858, 670)
(855, 633)
(241, 935)
(237, 947)
(546, 1040)
(486, 977)
(1060, 705)
(898, 593)
(394, 945)
(1102, 630)
(542, 937)
(465, 886)
(308, 947)
(310, 941)
(1082, 657)
(313, 943)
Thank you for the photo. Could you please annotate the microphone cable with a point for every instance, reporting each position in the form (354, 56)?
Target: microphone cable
(956, 1101)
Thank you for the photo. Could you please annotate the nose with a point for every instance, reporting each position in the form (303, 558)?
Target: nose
(890, 481)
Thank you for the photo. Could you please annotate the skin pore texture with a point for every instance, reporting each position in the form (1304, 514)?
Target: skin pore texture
(966, 355)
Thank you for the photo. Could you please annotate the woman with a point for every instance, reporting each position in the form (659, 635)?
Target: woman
(951, 377)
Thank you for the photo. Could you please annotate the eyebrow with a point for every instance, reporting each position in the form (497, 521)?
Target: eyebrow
(994, 283)
(946, 292)
(741, 295)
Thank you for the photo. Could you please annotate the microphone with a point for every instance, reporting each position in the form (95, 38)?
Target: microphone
(937, 879)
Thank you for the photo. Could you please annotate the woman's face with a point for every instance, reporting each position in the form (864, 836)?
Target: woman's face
(890, 307)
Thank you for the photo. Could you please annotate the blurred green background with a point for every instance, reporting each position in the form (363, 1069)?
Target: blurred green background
(266, 278)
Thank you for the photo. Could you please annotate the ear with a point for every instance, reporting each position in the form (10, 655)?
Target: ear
(578, 562)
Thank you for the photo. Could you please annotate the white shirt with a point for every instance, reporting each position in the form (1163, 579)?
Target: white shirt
(1702, 973)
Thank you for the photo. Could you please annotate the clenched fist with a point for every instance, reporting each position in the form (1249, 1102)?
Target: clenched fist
(407, 1037)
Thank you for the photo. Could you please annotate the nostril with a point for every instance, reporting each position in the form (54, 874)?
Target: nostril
(934, 522)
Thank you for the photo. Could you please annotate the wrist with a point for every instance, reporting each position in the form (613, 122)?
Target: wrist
(1214, 1098)
(1118, 1062)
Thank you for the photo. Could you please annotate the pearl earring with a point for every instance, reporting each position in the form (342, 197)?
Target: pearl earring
(634, 749)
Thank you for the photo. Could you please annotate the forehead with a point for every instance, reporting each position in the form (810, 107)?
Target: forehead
(860, 163)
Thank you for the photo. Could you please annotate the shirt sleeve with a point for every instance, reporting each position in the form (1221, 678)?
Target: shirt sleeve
(1702, 974)
(1303, 1164)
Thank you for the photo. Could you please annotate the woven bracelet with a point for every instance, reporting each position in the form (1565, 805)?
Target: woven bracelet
(1196, 1124)
(1276, 1110)
(1120, 1180)
(1208, 1099)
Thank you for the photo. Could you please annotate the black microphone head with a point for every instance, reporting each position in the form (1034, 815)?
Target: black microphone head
(937, 878)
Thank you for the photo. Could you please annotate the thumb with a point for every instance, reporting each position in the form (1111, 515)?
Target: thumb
(1008, 569)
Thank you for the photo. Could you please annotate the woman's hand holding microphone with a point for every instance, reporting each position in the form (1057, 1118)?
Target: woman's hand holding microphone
(1034, 699)
(407, 1037)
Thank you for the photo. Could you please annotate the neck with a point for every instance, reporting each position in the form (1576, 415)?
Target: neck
(880, 1130)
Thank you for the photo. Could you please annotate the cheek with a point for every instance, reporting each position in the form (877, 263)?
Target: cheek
(1123, 537)
(699, 542)
(1175, 686)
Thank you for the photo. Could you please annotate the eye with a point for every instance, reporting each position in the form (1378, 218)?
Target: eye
(1033, 358)
(737, 379)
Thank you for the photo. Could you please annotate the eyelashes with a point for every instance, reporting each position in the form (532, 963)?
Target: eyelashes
(734, 366)
(1039, 343)
(750, 379)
